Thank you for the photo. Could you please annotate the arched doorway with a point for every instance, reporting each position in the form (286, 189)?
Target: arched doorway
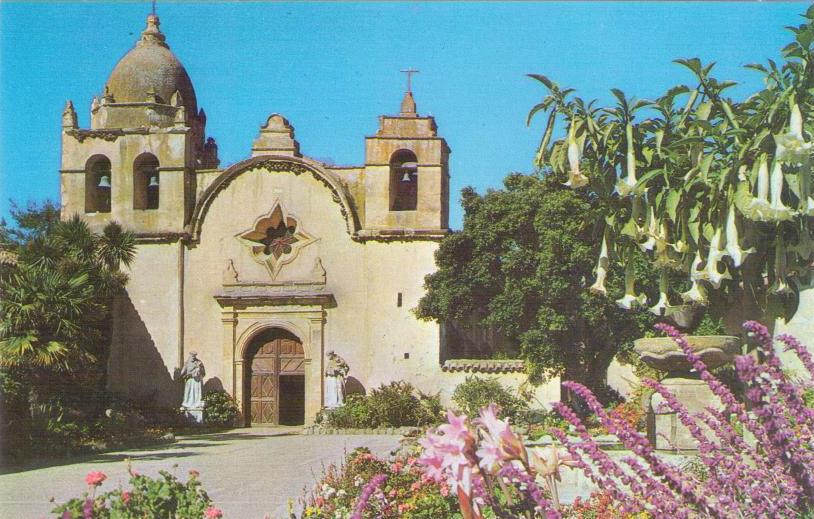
(275, 379)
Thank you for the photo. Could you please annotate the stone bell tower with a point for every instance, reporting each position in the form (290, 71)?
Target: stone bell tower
(406, 173)
(137, 162)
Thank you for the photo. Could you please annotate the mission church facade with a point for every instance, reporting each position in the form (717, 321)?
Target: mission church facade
(266, 265)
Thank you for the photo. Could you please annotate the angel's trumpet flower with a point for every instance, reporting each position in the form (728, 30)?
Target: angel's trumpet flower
(625, 186)
(758, 208)
(778, 211)
(630, 298)
(660, 308)
(792, 146)
(715, 254)
(601, 270)
(575, 177)
(733, 249)
(780, 286)
(650, 232)
(696, 294)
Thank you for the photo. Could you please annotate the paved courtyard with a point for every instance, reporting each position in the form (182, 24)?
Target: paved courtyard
(247, 472)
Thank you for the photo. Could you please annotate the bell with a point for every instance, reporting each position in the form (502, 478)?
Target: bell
(406, 177)
(153, 181)
(104, 182)
(408, 167)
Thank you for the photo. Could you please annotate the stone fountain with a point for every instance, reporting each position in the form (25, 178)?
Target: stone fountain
(663, 354)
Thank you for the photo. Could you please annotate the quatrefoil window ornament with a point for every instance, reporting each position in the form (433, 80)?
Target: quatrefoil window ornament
(275, 239)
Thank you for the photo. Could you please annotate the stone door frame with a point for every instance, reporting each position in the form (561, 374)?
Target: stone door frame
(242, 323)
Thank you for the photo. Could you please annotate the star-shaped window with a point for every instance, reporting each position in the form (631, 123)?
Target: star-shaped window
(275, 239)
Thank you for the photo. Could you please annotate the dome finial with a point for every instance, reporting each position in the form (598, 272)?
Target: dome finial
(152, 35)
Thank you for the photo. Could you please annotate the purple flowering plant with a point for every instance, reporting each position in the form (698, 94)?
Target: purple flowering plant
(756, 451)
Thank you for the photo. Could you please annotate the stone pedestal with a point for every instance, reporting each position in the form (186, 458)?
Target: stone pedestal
(194, 415)
(665, 429)
(669, 432)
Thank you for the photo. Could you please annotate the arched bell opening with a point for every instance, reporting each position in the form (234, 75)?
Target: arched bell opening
(274, 379)
(98, 184)
(145, 182)
(403, 181)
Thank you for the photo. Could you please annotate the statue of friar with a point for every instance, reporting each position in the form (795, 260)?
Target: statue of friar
(193, 373)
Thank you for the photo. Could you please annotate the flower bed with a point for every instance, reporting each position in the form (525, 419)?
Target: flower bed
(166, 496)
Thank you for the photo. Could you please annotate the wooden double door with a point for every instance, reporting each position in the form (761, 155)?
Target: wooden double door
(276, 380)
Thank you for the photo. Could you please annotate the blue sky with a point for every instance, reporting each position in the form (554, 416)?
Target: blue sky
(331, 69)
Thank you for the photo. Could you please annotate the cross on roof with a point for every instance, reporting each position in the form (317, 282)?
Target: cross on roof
(153, 7)
(410, 72)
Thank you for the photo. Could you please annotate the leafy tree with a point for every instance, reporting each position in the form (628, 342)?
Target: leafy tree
(56, 293)
(522, 263)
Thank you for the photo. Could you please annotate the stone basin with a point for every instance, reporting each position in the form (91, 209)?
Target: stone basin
(663, 354)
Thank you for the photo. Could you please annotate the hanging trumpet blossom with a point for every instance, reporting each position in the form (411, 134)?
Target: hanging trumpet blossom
(650, 232)
(758, 208)
(660, 308)
(780, 286)
(630, 298)
(711, 273)
(575, 177)
(625, 186)
(733, 249)
(696, 294)
(778, 211)
(601, 269)
(792, 146)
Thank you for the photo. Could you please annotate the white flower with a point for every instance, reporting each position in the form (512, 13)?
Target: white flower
(601, 269)
(791, 146)
(778, 211)
(575, 177)
(733, 249)
(660, 308)
(696, 294)
(650, 232)
(758, 208)
(711, 273)
(626, 185)
(630, 299)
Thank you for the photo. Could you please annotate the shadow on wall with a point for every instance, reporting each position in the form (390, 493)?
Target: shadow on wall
(354, 387)
(213, 384)
(136, 368)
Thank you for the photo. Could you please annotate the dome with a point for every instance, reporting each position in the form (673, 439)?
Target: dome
(151, 67)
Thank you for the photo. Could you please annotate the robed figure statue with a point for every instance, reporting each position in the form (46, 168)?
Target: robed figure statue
(336, 370)
(193, 373)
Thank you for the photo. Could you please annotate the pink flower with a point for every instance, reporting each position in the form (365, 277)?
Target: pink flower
(95, 478)
(546, 461)
(396, 467)
(194, 473)
(502, 440)
(125, 497)
(416, 486)
(213, 513)
(444, 489)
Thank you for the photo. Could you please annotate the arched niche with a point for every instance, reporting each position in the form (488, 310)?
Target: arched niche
(403, 181)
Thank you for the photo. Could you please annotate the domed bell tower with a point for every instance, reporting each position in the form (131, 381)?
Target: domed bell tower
(137, 162)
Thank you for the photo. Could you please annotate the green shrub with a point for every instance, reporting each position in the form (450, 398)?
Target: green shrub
(393, 404)
(396, 404)
(166, 496)
(220, 409)
(475, 392)
(354, 414)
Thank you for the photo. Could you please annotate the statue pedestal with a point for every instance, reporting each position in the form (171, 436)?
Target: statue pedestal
(669, 432)
(193, 414)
